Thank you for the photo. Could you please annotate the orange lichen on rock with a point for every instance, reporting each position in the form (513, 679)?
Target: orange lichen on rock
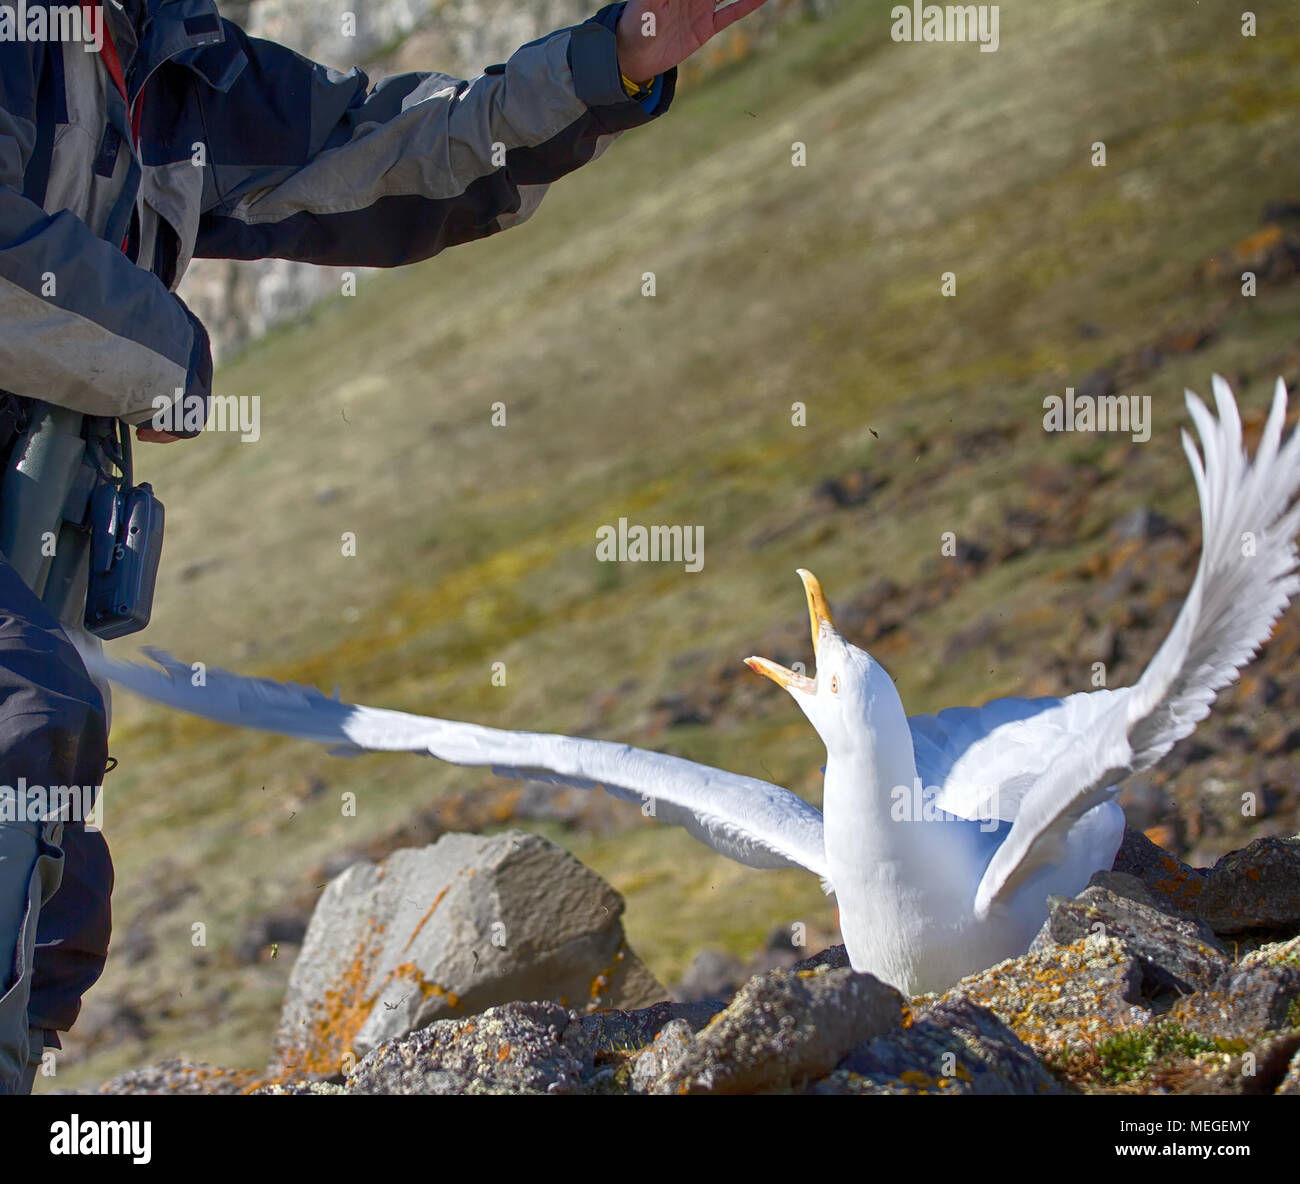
(1177, 885)
(341, 1012)
(600, 983)
(437, 900)
(410, 972)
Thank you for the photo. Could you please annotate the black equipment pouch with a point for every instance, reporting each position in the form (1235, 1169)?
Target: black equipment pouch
(126, 536)
(73, 524)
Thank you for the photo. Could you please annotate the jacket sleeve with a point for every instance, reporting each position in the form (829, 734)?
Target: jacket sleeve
(314, 165)
(80, 325)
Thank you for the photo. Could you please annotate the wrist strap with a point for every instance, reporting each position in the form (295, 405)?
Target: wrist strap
(635, 90)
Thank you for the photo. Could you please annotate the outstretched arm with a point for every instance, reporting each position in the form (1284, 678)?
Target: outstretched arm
(311, 164)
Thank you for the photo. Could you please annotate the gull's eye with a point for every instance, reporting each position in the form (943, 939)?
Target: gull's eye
(835, 684)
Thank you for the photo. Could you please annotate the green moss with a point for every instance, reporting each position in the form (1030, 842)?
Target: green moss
(1133, 1053)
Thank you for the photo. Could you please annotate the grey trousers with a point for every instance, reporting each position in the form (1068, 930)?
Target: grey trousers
(55, 875)
(31, 869)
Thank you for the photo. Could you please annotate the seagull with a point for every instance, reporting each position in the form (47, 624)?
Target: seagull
(941, 836)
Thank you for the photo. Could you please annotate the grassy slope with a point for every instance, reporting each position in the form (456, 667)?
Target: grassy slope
(776, 284)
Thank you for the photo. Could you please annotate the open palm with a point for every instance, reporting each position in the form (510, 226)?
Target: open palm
(649, 47)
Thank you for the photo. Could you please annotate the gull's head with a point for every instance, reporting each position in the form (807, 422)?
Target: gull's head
(843, 700)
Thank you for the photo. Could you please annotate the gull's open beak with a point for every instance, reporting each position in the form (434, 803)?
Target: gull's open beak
(783, 676)
(819, 613)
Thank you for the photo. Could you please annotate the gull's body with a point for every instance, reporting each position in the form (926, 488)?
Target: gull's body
(905, 879)
(942, 836)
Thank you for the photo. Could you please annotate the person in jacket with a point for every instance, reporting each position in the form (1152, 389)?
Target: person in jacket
(182, 137)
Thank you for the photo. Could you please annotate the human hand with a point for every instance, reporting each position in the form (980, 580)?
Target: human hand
(647, 48)
(154, 436)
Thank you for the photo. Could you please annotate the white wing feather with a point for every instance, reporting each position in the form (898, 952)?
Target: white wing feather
(751, 821)
(1054, 760)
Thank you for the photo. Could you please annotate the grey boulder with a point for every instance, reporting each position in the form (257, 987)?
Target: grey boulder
(447, 931)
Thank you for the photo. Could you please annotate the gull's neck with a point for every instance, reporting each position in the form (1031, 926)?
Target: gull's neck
(900, 884)
(863, 772)
(860, 794)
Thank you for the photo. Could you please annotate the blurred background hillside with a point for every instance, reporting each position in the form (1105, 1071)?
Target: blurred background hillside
(776, 285)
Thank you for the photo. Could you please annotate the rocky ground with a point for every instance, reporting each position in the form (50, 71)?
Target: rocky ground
(499, 966)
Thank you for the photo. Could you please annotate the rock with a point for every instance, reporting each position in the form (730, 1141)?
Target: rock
(450, 930)
(627, 1031)
(1290, 1083)
(1143, 523)
(1242, 1003)
(106, 1021)
(950, 1047)
(519, 1048)
(274, 929)
(833, 958)
(782, 1030)
(528, 1048)
(1271, 253)
(778, 952)
(1061, 996)
(1257, 887)
(1276, 953)
(712, 974)
(1264, 1068)
(180, 1077)
(1167, 878)
(665, 1056)
(301, 1087)
(1176, 952)
(135, 944)
(853, 489)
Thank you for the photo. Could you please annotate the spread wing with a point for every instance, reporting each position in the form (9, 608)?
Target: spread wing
(1043, 764)
(751, 821)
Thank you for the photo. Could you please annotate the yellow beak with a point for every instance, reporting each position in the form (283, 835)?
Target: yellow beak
(818, 609)
(818, 612)
(783, 676)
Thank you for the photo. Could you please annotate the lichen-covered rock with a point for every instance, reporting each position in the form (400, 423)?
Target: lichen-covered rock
(950, 1047)
(1062, 995)
(520, 1048)
(782, 1030)
(832, 958)
(1179, 952)
(1243, 1003)
(1262, 1068)
(1290, 1083)
(315, 1088)
(625, 1031)
(1166, 877)
(177, 1076)
(664, 1056)
(1257, 887)
(1275, 953)
(712, 974)
(450, 930)
(1126, 988)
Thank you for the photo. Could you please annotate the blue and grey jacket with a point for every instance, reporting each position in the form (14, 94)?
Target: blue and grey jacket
(249, 151)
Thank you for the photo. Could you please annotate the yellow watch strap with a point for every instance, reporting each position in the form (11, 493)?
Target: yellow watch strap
(635, 90)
